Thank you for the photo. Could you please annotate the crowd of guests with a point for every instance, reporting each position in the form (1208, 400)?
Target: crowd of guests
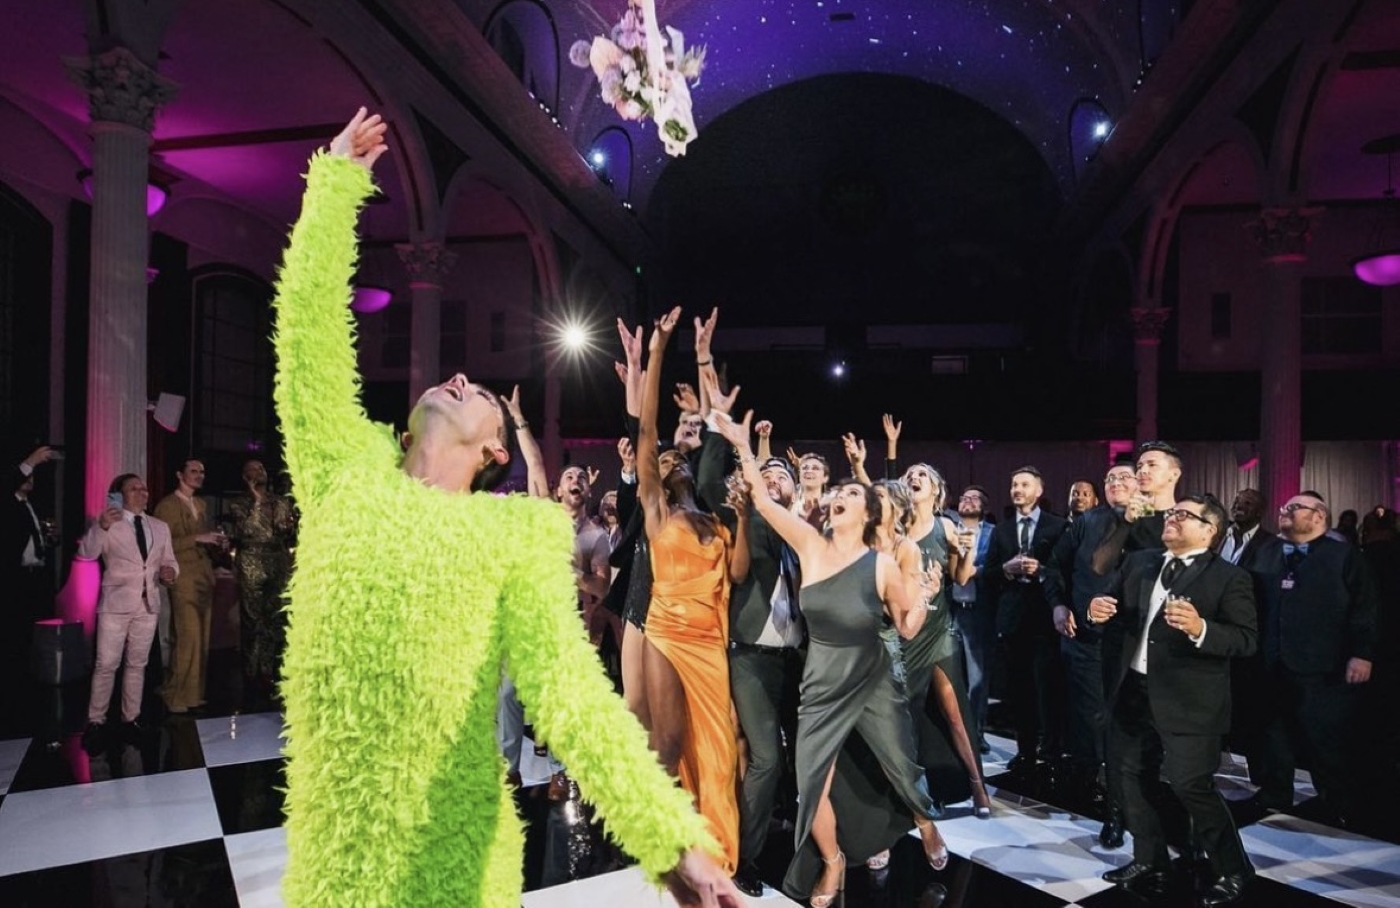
(1140, 633)
(157, 598)
(821, 650)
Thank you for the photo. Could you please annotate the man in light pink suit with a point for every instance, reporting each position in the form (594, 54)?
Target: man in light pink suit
(136, 556)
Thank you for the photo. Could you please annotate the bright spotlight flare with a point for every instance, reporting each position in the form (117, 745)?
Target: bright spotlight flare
(572, 337)
(641, 74)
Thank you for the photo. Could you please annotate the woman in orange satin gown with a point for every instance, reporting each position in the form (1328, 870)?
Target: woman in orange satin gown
(686, 664)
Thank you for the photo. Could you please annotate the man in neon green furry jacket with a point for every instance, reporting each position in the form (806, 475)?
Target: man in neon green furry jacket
(410, 594)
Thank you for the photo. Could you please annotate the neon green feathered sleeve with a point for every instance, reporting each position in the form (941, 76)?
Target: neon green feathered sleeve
(317, 385)
(587, 725)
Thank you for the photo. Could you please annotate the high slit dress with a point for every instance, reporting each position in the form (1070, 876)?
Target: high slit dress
(688, 622)
(849, 684)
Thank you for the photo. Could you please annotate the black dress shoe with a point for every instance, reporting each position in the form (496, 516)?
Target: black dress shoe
(1138, 877)
(984, 747)
(1021, 764)
(747, 880)
(1226, 890)
(94, 737)
(1111, 835)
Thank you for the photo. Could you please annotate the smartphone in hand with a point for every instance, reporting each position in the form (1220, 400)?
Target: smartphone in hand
(114, 500)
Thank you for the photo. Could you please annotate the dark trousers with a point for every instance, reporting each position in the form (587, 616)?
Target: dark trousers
(1030, 668)
(1085, 722)
(763, 682)
(1317, 715)
(976, 626)
(1188, 762)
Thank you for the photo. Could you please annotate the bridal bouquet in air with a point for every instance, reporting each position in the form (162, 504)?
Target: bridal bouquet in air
(642, 74)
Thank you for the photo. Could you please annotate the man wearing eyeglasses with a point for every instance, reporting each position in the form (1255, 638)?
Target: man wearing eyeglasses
(1317, 609)
(1172, 622)
(1078, 570)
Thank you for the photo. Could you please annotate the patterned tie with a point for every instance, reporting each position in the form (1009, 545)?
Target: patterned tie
(1025, 535)
(141, 537)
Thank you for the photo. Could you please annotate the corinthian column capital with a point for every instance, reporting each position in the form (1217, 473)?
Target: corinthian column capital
(120, 88)
(1148, 324)
(428, 263)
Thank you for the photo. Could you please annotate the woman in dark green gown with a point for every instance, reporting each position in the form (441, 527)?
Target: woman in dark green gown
(848, 681)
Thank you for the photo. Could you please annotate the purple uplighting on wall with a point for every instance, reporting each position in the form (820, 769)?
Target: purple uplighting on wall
(155, 193)
(1382, 269)
(371, 299)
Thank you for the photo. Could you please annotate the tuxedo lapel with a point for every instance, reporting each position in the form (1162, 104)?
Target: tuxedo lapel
(1193, 572)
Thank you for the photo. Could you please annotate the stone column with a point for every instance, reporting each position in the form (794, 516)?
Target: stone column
(551, 442)
(123, 95)
(1283, 235)
(1147, 338)
(428, 264)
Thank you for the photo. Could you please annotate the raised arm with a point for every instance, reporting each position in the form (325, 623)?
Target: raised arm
(892, 431)
(536, 478)
(575, 709)
(704, 359)
(650, 495)
(855, 456)
(795, 531)
(317, 384)
(764, 430)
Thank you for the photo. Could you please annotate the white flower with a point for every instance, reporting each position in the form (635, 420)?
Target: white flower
(579, 53)
(632, 82)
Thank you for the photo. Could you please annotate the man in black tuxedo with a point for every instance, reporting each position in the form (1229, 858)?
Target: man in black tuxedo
(1172, 623)
(1078, 571)
(1317, 605)
(26, 575)
(1013, 576)
(1240, 545)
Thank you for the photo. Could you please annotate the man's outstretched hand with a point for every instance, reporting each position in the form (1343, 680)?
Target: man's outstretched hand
(362, 139)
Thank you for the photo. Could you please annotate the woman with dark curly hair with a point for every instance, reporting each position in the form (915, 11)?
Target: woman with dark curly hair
(848, 682)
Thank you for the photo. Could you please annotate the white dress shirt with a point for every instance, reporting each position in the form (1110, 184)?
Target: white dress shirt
(1230, 552)
(1159, 598)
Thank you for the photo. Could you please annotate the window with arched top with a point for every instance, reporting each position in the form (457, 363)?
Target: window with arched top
(1089, 127)
(610, 156)
(522, 33)
(1157, 21)
(233, 362)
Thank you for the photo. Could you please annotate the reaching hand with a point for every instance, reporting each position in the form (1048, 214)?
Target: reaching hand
(627, 455)
(795, 459)
(686, 398)
(704, 333)
(665, 326)
(42, 454)
(362, 139)
(892, 428)
(517, 418)
(763, 428)
(698, 881)
(855, 450)
(593, 475)
(631, 344)
(719, 403)
(736, 433)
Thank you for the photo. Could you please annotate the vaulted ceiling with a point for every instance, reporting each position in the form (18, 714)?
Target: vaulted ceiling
(1035, 84)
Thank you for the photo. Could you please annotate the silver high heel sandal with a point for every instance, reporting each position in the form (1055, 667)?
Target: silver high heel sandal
(981, 802)
(937, 856)
(824, 899)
